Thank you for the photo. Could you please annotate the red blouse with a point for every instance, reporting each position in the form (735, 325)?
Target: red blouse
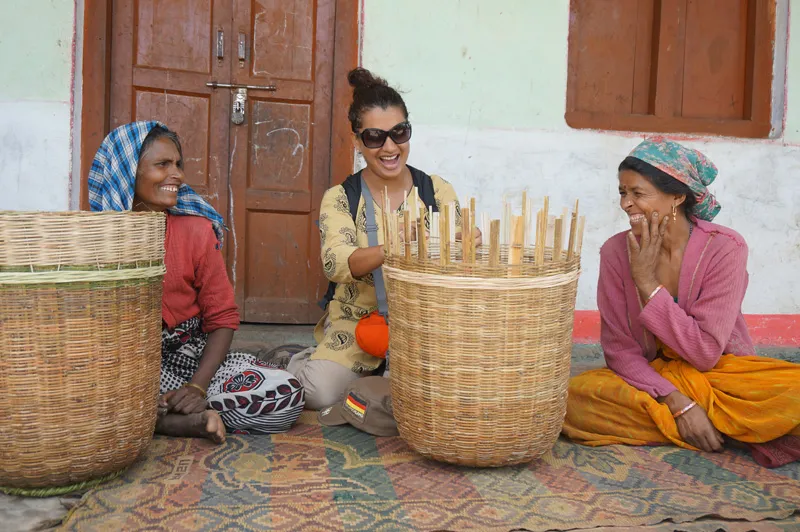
(196, 282)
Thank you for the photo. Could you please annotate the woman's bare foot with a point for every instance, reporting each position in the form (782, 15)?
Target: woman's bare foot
(206, 424)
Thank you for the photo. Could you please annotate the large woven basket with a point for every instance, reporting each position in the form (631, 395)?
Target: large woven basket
(480, 355)
(80, 353)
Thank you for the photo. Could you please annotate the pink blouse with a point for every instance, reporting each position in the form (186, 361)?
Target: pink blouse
(705, 322)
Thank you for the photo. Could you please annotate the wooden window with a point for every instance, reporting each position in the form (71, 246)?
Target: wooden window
(672, 66)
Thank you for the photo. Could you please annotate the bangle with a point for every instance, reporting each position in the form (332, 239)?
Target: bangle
(683, 410)
(654, 292)
(196, 387)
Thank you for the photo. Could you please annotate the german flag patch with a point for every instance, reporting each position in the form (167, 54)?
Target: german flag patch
(356, 405)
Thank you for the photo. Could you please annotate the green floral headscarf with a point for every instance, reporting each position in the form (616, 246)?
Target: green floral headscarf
(686, 165)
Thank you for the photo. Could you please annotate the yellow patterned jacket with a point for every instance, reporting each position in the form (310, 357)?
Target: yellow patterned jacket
(354, 297)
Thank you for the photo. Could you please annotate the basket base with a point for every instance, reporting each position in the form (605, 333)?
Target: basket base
(61, 490)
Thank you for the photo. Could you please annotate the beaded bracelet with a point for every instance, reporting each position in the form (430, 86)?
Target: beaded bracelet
(683, 410)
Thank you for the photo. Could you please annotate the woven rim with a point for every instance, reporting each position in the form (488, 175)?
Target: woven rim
(61, 490)
(474, 283)
(26, 278)
(84, 239)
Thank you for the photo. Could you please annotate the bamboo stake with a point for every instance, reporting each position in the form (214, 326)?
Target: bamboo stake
(407, 233)
(539, 240)
(573, 227)
(422, 236)
(473, 223)
(494, 244)
(524, 216)
(551, 232)
(557, 244)
(385, 225)
(545, 219)
(465, 232)
(444, 237)
(579, 243)
(516, 250)
(452, 229)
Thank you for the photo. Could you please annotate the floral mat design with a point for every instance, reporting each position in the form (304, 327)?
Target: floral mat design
(337, 478)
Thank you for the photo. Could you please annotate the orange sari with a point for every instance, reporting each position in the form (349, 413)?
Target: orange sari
(748, 398)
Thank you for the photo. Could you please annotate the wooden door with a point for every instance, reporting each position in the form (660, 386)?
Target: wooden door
(280, 157)
(266, 176)
(163, 54)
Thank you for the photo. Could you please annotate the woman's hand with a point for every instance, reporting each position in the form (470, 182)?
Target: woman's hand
(694, 426)
(644, 254)
(186, 400)
(477, 237)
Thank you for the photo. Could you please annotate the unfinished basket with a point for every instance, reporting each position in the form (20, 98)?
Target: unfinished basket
(80, 353)
(480, 339)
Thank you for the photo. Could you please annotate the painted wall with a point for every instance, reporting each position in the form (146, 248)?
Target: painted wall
(36, 42)
(485, 83)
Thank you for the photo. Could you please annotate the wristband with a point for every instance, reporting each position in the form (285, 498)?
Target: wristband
(196, 387)
(653, 293)
(683, 410)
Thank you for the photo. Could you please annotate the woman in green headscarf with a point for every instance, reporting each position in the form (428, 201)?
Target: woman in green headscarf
(681, 364)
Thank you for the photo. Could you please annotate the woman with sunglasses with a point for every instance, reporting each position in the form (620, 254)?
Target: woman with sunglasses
(381, 132)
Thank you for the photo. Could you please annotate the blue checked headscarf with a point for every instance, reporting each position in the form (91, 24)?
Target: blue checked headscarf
(112, 178)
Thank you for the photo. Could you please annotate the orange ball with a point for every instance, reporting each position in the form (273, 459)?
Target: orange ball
(372, 335)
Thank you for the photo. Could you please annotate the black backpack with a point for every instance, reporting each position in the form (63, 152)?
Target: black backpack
(352, 188)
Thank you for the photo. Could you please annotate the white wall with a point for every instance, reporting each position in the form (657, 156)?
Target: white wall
(36, 42)
(485, 83)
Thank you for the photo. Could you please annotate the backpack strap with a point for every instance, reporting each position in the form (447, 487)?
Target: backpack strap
(372, 240)
(424, 185)
(352, 190)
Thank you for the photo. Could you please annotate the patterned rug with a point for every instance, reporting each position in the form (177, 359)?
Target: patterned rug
(337, 478)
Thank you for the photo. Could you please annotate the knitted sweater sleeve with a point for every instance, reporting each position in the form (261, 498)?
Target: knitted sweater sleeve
(624, 355)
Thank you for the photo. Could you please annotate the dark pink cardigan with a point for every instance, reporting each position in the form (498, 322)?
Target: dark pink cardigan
(706, 321)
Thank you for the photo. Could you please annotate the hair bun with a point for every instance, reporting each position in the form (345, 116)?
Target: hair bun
(361, 78)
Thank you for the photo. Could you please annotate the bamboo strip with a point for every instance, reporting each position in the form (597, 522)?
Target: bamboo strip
(444, 238)
(422, 236)
(572, 230)
(557, 244)
(516, 251)
(494, 244)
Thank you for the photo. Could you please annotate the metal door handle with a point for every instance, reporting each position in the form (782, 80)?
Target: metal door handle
(220, 44)
(216, 85)
(242, 47)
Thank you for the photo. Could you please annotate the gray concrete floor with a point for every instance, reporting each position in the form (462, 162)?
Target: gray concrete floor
(26, 514)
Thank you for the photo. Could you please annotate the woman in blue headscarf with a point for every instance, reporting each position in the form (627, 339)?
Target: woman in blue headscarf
(205, 389)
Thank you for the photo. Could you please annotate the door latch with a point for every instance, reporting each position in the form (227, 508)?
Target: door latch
(239, 106)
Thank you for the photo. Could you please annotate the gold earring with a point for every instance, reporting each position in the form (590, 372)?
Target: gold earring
(674, 214)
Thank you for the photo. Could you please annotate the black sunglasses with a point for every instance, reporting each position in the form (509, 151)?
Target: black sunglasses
(375, 138)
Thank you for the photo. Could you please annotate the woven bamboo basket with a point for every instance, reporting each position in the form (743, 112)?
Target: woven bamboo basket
(480, 346)
(80, 353)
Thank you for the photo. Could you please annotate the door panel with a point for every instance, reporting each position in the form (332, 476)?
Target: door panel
(283, 38)
(162, 58)
(182, 109)
(281, 157)
(174, 35)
